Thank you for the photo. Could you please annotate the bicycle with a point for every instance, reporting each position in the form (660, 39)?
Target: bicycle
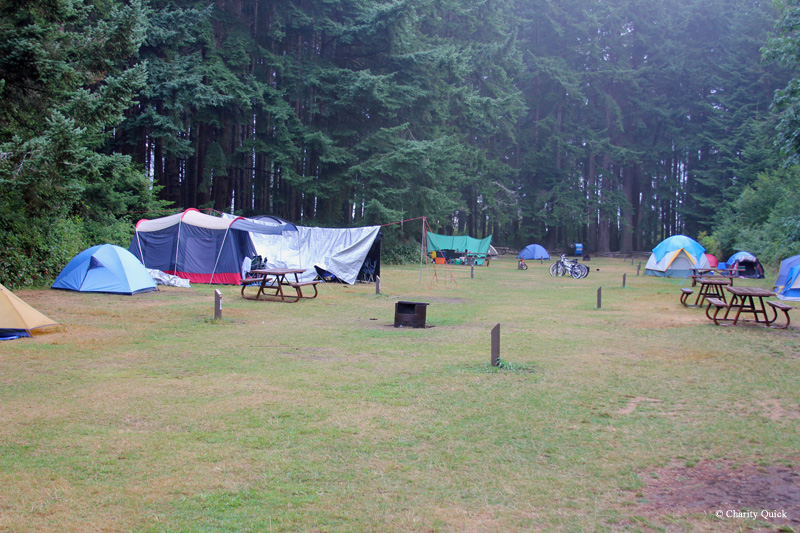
(521, 264)
(569, 266)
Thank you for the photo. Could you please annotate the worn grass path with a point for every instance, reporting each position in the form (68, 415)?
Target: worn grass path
(144, 414)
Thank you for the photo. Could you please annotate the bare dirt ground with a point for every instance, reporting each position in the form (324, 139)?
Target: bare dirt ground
(738, 495)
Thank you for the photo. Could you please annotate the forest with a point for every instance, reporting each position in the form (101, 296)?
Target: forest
(612, 123)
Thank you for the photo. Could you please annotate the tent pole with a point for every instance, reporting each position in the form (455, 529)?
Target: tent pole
(220, 253)
(178, 243)
(139, 244)
(422, 251)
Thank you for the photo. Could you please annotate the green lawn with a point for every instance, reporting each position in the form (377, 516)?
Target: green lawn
(143, 413)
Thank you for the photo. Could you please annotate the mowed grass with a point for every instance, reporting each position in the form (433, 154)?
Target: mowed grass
(143, 413)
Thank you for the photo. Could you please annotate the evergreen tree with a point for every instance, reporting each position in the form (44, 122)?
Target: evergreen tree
(66, 81)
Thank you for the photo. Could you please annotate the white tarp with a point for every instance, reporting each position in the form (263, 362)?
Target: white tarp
(162, 278)
(340, 251)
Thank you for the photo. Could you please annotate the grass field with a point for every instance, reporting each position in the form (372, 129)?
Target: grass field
(143, 413)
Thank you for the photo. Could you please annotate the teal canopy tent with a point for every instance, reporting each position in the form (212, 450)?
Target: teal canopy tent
(461, 244)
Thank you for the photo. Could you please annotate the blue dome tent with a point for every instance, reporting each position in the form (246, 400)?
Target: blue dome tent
(787, 286)
(105, 268)
(533, 251)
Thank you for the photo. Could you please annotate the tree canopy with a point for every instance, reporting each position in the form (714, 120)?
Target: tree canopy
(614, 124)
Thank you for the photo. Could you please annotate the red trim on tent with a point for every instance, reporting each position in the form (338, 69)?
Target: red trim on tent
(220, 278)
(190, 209)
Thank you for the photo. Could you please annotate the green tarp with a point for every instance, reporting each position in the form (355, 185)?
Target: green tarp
(460, 243)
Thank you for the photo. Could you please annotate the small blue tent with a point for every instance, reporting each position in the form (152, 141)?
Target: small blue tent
(105, 268)
(533, 251)
(749, 265)
(787, 286)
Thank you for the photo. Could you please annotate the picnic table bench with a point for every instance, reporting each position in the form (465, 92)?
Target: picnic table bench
(299, 286)
(685, 293)
(780, 306)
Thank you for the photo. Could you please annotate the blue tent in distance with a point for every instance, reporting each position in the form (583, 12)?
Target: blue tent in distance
(787, 286)
(105, 268)
(533, 251)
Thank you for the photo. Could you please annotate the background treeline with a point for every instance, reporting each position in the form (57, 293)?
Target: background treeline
(614, 124)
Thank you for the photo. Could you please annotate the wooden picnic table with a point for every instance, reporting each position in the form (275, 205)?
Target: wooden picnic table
(275, 279)
(711, 288)
(743, 301)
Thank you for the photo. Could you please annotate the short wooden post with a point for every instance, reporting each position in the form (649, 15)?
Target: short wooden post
(377, 284)
(599, 297)
(217, 304)
(639, 268)
(623, 280)
(472, 271)
(495, 344)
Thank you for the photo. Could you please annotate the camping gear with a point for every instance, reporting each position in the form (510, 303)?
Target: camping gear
(533, 251)
(787, 286)
(105, 268)
(675, 257)
(200, 248)
(748, 265)
(17, 318)
(162, 278)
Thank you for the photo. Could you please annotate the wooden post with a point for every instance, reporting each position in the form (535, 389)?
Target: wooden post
(599, 297)
(377, 284)
(472, 271)
(217, 304)
(623, 280)
(495, 344)
(639, 268)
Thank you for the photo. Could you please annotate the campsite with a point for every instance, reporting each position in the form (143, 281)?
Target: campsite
(143, 412)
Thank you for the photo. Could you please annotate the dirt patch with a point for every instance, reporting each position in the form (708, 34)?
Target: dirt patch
(742, 495)
(633, 403)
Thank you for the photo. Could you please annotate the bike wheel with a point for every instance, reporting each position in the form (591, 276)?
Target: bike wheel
(561, 269)
(554, 269)
(584, 270)
(575, 272)
(524, 267)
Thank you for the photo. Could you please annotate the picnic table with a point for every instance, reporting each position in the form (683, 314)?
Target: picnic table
(743, 301)
(711, 288)
(275, 279)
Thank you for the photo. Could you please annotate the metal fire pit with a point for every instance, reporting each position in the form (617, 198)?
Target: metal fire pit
(409, 314)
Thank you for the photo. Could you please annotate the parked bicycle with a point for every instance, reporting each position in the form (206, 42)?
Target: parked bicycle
(521, 264)
(569, 266)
